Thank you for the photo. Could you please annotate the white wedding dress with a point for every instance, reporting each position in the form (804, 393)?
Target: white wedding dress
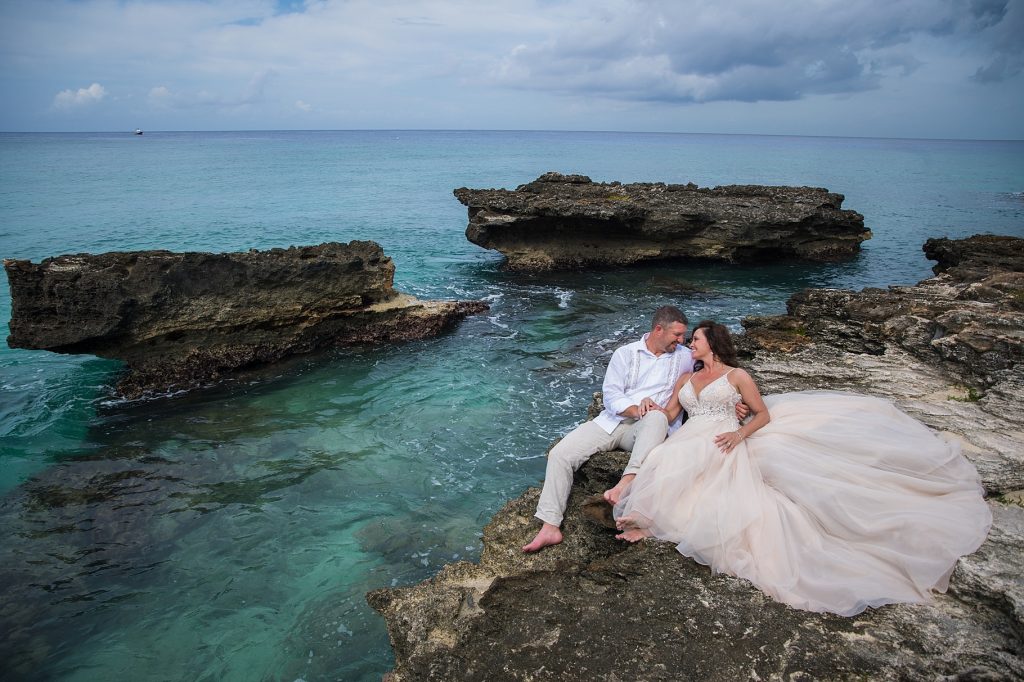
(840, 503)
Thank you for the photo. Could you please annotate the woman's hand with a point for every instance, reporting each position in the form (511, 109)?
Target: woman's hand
(729, 440)
(648, 405)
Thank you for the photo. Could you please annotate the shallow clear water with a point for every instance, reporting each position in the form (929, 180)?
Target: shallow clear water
(231, 534)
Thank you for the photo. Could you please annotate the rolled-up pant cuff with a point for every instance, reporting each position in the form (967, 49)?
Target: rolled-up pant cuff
(549, 518)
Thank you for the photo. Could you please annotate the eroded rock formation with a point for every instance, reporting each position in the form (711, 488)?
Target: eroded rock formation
(969, 318)
(568, 221)
(180, 320)
(593, 608)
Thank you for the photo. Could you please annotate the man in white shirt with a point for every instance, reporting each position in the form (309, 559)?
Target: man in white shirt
(637, 387)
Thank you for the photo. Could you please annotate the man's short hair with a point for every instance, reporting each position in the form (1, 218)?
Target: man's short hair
(666, 315)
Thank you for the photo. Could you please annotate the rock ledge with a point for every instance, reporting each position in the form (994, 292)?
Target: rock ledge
(568, 221)
(182, 320)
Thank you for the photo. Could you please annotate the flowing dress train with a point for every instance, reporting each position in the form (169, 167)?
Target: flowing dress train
(840, 503)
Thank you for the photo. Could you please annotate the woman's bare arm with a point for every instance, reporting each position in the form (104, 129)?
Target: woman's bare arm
(673, 408)
(748, 391)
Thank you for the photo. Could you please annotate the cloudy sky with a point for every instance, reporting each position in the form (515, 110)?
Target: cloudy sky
(887, 68)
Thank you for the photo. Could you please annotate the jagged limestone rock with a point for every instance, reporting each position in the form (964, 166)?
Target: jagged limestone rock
(968, 319)
(180, 320)
(567, 222)
(593, 608)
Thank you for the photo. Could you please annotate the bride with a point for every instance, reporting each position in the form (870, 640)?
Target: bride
(826, 501)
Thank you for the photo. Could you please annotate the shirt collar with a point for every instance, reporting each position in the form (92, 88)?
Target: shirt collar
(645, 349)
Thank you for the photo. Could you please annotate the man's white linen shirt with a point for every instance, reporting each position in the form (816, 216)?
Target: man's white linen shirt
(635, 373)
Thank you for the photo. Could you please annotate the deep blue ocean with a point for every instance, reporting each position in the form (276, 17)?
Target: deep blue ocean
(231, 534)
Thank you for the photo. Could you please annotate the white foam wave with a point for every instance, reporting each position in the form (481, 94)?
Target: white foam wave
(495, 320)
(149, 397)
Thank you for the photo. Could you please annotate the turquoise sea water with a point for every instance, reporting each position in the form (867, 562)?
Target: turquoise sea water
(231, 534)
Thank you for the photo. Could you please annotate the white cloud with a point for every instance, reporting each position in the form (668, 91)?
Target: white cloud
(302, 106)
(70, 99)
(160, 96)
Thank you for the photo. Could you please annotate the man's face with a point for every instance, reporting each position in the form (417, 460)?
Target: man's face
(667, 338)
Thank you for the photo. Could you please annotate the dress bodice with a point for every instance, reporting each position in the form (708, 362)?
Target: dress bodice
(716, 402)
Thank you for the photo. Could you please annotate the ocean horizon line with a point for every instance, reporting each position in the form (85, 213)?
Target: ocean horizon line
(132, 131)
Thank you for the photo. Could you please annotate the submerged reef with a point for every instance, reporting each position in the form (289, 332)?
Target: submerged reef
(594, 608)
(562, 222)
(182, 320)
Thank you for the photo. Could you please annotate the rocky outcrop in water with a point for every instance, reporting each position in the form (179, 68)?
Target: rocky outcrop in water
(181, 320)
(568, 221)
(593, 608)
(969, 318)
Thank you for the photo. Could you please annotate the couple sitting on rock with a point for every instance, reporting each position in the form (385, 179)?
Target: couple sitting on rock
(826, 501)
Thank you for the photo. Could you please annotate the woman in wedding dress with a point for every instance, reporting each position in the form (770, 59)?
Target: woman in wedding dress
(825, 501)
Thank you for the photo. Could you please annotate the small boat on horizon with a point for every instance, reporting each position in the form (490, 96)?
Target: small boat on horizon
(137, 131)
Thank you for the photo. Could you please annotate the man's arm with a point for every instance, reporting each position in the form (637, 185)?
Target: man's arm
(614, 387)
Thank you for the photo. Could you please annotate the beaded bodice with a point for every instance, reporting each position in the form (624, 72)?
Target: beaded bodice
(716, 402)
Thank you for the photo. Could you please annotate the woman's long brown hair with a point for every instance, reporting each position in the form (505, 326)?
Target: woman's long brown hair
(720, 340)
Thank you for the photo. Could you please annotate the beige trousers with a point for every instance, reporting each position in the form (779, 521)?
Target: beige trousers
(587, 439)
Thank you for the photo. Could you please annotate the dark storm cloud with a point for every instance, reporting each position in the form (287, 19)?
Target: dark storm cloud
(683, 51)
(1003, 24)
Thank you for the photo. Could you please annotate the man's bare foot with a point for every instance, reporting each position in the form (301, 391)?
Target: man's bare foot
(548, 535)
(634, 535)
(613, 495)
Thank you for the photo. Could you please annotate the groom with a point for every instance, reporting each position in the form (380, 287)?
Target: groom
(637, 387)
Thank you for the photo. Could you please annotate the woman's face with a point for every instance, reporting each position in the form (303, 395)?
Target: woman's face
(699, 345)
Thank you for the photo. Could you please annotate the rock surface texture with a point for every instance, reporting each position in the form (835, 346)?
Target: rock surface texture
(593, 608)
(969, 318)
(181, 320)
(568, 221)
